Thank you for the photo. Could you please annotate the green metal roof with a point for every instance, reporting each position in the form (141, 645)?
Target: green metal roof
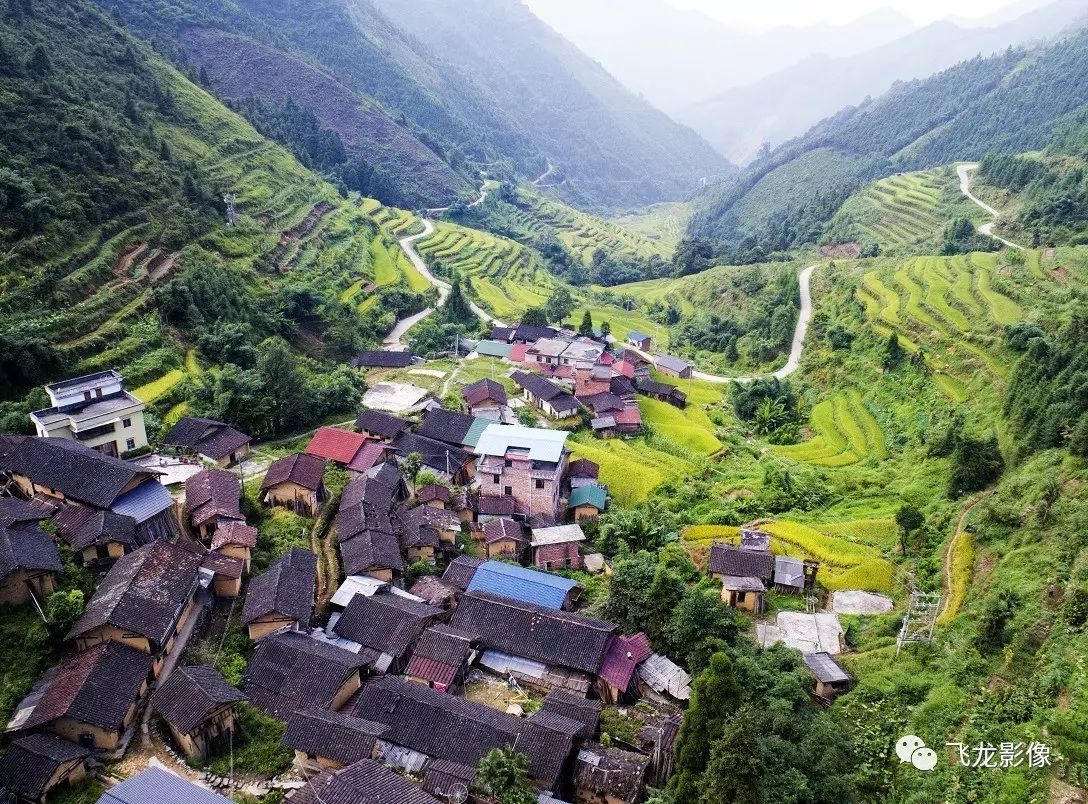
(475, 430)
(589, 495)
(494, 348)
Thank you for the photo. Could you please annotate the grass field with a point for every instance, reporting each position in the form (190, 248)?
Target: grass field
(630, 468)
(153, 390)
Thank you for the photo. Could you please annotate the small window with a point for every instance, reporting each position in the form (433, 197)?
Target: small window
(86, 396)
(508, 463)
(539, 483)
(126, 422)
(496, 479)
(130, 443)
(508, 491)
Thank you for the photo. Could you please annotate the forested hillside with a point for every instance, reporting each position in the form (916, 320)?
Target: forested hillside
(1009, 103)
(610, 148)
(115, 246)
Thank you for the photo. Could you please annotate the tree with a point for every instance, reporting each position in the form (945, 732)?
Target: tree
(976, 463)
(893, 353)
(503, 774)
(457, 308)
(526, 416)
(715, 695)
(560, 304)
(586, 327)
(413, 462)
(606, 329)
(39, 63)
(701, 624)
(535, 316)
(908, 519)
(734, 771)
(283, 384)
(62, 609)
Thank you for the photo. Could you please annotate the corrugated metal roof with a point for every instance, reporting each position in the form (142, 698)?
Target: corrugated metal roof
(494, 348)
(543, 445)
(519, 583)
(589, 495)
(475, 430)
(143, 502)
(825, 668)
(156, 786)
(560, 534)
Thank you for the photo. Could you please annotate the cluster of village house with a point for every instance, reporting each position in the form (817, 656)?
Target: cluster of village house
(373, 694)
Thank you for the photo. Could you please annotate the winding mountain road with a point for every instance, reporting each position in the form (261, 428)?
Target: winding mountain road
(964, 172)
(800, 333)
(395, 338)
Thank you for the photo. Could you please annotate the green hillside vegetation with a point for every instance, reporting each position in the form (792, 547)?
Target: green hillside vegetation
(129, 253)
(663, 224)
(902, 214)
(1008, 103)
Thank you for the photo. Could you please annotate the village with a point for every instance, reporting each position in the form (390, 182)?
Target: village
(444, 624)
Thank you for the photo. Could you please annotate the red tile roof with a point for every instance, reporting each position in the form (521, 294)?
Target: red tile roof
(367, 457)
(336, 445)
(517, 354)
(238, 533)
(629, 415)
(624, 368)
(439, 673)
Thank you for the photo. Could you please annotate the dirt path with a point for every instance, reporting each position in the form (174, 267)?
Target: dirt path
(964, 172)
(800, 333)
(950, 550)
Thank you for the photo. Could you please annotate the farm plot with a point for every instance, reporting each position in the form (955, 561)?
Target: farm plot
(630, 468)
(846, 434)
(584, 234)
(899, 210)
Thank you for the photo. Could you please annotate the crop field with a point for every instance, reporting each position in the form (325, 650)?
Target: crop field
(584, 234)
(691, 427)
(630, 468)
(899, 210)
(956, 306)
(880, 533)
(962, 565)
(844, 563)
(846, 434)
(505, 277)
(663, 224)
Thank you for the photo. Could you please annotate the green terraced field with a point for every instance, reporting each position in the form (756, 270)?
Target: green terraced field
(584, 234)
(951, 305)
(690, 428)
(663, 224)
(901, 210)
(846, 434)
(629, 467)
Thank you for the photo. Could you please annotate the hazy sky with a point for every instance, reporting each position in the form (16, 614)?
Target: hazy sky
(771, 13)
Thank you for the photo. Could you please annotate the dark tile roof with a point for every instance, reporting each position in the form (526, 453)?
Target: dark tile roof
(611, 773)
(28, 765)
(80, 473)
(83, 527)
(503, 528)
(728, 560)
(289, 671)
(307, 471)
(445, 644)
(420, 526)
(213, 493)
(382, 359)
(368, 550)
(621, 386)
(365, 782)
(13, 511)
(532, 332)
(144, 592)
(24, 545)
(190, 694)
(234, 533)
(448, 727)
(384, 424)
(433, 591)
(432, 492)
(460, 571)
(287, 588)
(496, 505)
(671, 363)
(442, 777)
(537, 385)
(577, 708)
(624, 655)
(369, 491)
(208, 437)
(385, 622)
(661, 389)
(330, 735)
(446, 425)
(583, 467)
(96, 686)
(436, 454)
(483, 390)
(502, 333)
(603, 403)
(559, 638)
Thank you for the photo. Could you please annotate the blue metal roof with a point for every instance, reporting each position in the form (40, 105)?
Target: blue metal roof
(157, 786)
(144, 501)
(519, 583)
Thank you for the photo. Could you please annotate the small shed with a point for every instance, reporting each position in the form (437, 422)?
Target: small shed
(197, 705)
(745, 593)
(587, 502)
(296, 482)
(557, 547)
(603, 426)
(609, 775)
(503, 538)
(640, 340)
(35, 764)
(831, 679)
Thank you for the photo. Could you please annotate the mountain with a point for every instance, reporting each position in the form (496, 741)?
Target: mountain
(786, 103)
(1008, 103)
(678, 57)
(610, 148)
